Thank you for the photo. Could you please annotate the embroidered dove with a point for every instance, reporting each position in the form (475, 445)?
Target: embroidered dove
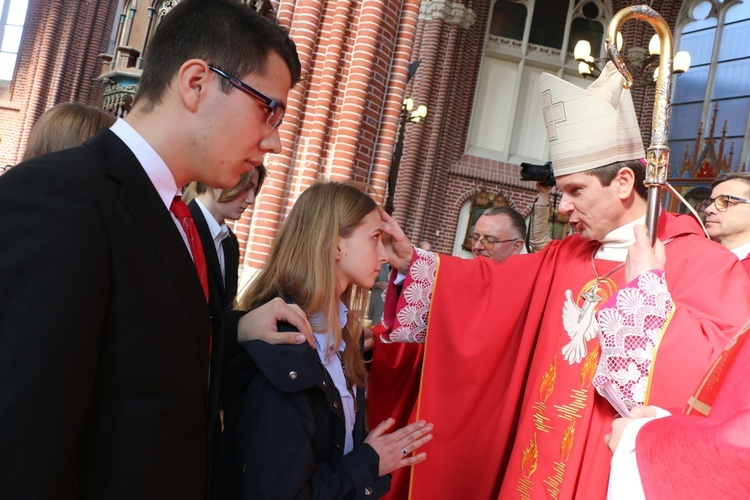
(580, 324)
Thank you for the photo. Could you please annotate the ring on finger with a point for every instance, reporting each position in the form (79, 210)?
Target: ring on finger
(404, 451)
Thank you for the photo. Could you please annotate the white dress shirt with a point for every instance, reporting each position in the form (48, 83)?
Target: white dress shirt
(156, 170)
(332, 363)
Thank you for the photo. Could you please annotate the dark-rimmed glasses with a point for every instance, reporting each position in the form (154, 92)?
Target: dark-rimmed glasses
(488, 242)
(274, 110)
(722, 201)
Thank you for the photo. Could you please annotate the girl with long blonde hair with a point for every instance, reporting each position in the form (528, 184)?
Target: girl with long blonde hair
(294, 426)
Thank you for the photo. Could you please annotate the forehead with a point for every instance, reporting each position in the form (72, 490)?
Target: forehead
(577, 179)
(733, 187)
(491, 224)
(371, 221)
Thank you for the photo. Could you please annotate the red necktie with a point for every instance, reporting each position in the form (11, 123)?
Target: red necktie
(181, 211)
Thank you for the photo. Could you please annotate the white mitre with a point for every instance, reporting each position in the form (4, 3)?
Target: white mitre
(592, 127)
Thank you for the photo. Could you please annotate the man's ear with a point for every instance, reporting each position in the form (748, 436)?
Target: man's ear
(192, 82)
(517, 246)
(624, 182)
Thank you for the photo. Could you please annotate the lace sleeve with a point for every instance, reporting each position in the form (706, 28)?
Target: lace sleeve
(631, 323)
(406, 315)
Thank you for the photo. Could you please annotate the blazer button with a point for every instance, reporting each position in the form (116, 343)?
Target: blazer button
(338, 447)
(324, 383)
(368, 491)
(336, 404)
(293, 375)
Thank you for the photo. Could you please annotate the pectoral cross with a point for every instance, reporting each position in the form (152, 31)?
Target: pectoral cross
(590, 299)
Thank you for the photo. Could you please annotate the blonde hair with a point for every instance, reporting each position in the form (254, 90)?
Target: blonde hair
(301, 265)
(65, 126)
(193, 189)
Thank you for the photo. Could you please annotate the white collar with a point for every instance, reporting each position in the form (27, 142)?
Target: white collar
(322, 339)
(218, 231)
(156, 170)
(742, 251)
(615, 244)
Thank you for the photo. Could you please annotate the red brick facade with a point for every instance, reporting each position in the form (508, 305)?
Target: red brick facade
(57, 62)
(342, 120)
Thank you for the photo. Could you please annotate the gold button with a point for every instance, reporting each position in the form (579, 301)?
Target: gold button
(293, 375)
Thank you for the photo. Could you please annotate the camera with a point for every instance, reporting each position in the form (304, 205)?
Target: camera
(540, 173)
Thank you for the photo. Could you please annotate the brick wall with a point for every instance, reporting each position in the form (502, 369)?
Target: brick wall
(57, 61)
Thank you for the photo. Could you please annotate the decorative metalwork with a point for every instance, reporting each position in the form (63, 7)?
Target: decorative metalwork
(657, 154)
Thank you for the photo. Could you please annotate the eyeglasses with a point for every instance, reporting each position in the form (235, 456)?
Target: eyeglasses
(722, 201)
(488, 242)
(274, 110)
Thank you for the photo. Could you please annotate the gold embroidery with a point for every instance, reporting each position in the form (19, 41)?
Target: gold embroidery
(567, 442)
(528, 467)
(547, 386)
(573, 409)
(590, 363)
(540, 421)
(699, 406)
(566, 445)
(548, 381)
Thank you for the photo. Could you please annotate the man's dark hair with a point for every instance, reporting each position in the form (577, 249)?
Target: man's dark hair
(225, 33)
(517, 222)
(731, 176)
(607, 173)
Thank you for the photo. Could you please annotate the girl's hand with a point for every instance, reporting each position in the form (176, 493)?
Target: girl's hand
(395, 449)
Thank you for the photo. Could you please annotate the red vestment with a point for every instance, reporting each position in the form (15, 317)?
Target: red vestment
(694, 456)
(514, 419)
(746, 264)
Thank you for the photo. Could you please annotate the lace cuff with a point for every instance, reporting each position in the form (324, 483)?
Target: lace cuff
(631, 325)
(407, 321)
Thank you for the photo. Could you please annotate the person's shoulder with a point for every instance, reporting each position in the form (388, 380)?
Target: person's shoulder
(289, 368)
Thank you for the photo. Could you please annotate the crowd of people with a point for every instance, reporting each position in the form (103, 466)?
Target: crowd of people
(130, 367)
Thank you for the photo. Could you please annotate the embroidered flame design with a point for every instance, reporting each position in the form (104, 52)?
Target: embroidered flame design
(548, 381)
(530, 457)
(567, 442)
(590, 363)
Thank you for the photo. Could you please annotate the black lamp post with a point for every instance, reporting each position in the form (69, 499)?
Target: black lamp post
(408, 115)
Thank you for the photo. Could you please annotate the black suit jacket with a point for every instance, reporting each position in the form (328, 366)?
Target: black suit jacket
(104, 335)
(226, 285)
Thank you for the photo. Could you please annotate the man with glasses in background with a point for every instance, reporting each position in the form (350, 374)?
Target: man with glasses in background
(728, 214)
(498, 234)
(111, 343)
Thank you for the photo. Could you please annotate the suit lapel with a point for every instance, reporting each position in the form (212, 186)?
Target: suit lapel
(231, 261)
(209, 249)
(140, 198)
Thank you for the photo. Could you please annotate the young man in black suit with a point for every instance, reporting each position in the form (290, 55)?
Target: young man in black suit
(211, 208)
(110, 355)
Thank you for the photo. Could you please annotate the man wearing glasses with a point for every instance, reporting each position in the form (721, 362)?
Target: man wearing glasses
(498, 234)
(111, 345)
(728, 214)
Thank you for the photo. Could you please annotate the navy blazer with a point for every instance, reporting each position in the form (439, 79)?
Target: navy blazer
(104, 335)
(284, 430)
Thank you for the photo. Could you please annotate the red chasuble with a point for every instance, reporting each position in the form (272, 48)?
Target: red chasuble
(705, 454)
(515, 419)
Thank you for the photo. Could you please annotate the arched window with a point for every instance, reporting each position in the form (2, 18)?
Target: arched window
(12, 17)
(526, 38)
(715, 33)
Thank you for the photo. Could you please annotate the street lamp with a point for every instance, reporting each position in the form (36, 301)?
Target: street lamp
(643, 64)
(408, 115)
